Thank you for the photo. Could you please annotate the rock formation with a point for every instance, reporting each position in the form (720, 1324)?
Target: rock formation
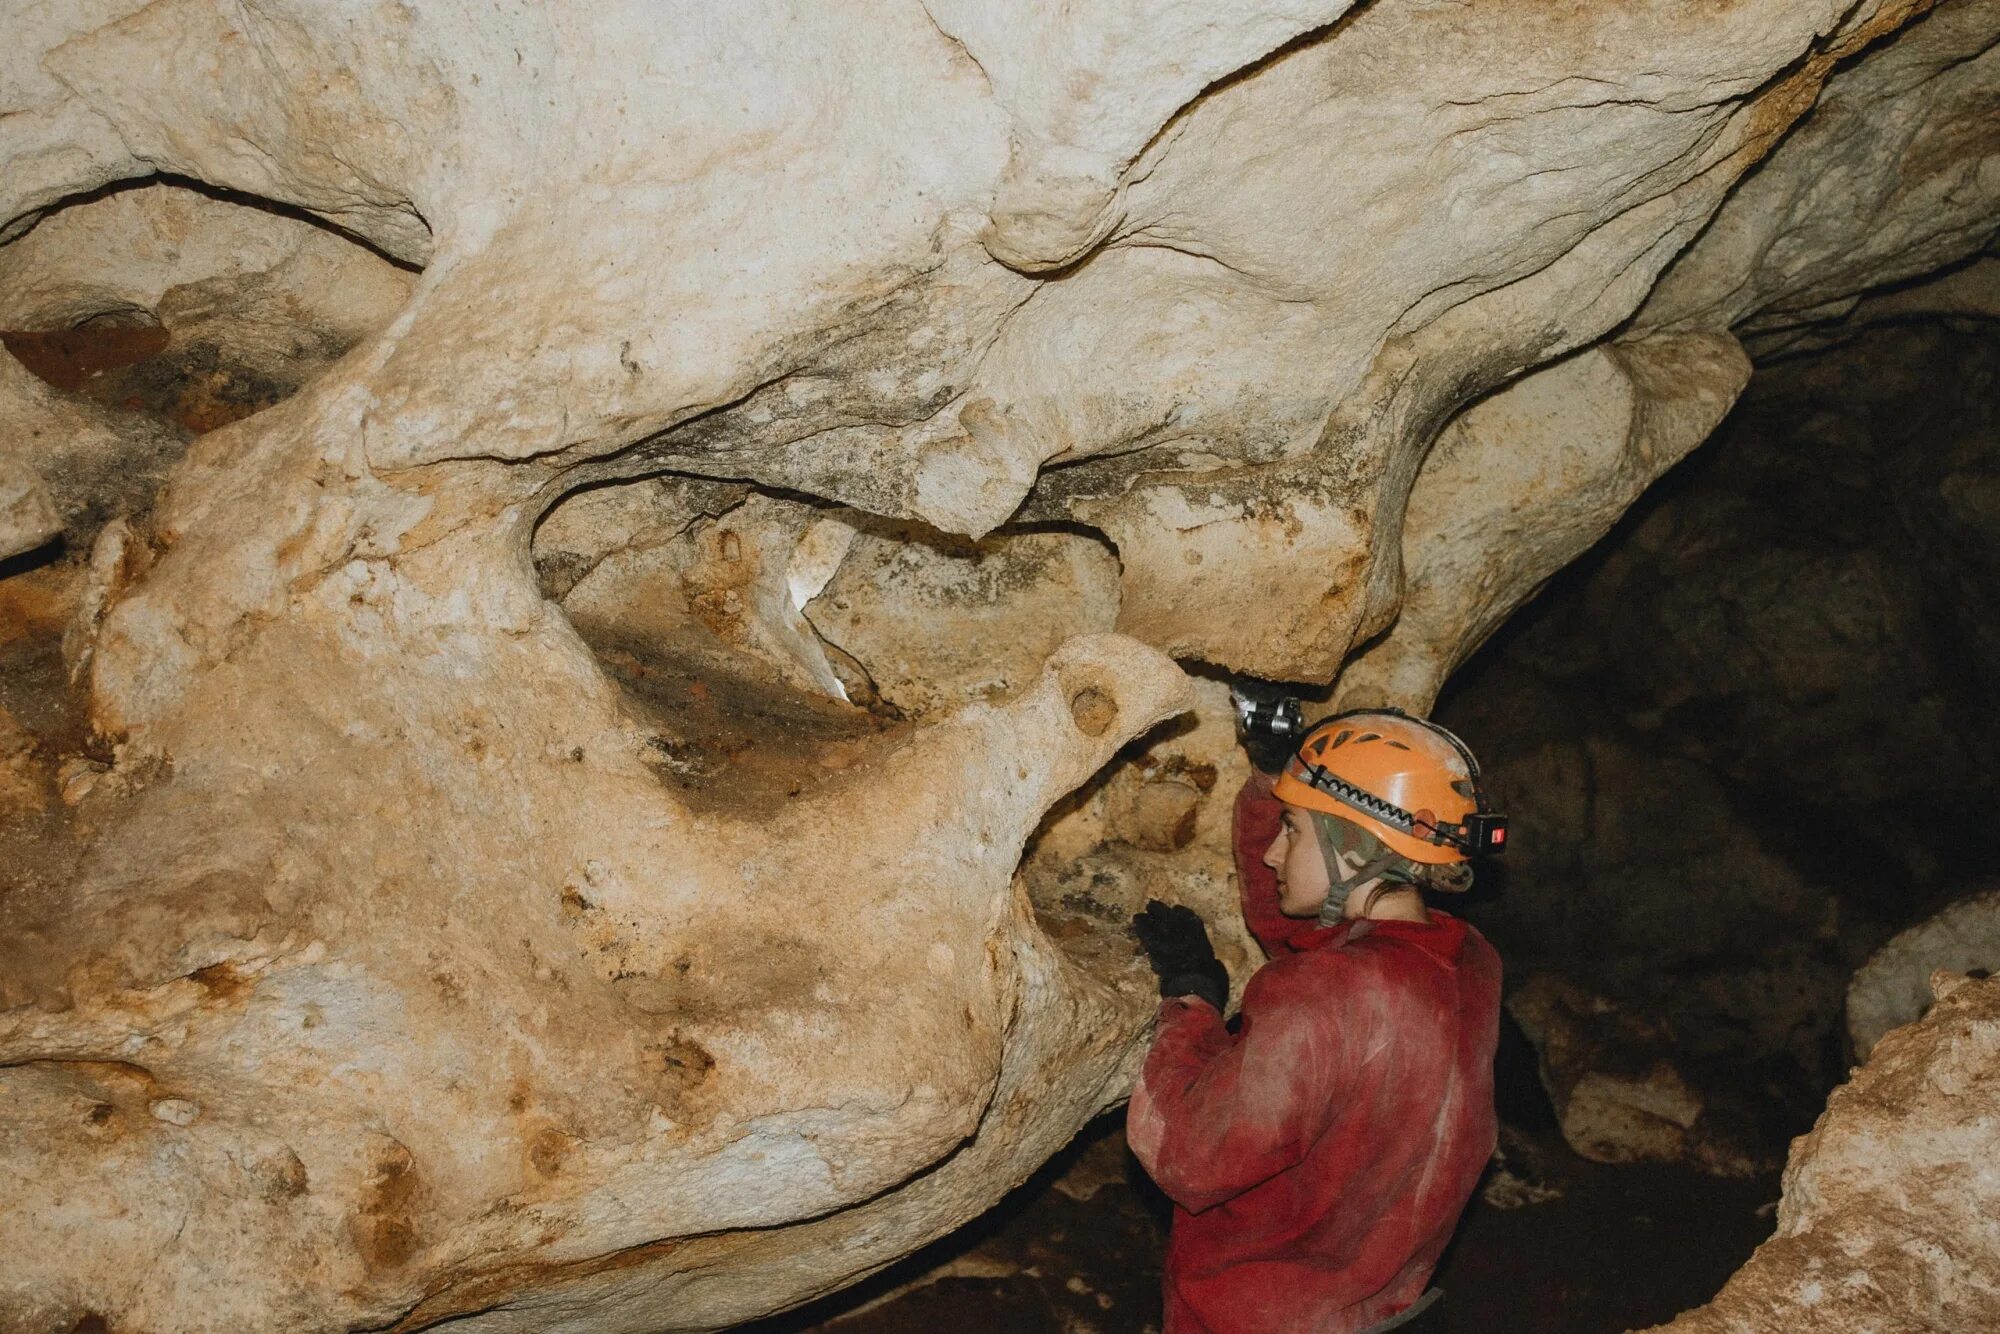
(1742, 743)
(502, 820)
(1887, 1222)
(1617, 1092)
(1894, 987)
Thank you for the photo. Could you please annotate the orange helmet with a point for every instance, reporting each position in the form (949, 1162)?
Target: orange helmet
(1406, 780)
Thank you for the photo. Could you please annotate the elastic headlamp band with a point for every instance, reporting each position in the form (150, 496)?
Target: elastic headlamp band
(1388, 812)
(1467, 837)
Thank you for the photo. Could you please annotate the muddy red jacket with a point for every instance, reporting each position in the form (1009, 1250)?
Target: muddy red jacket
(1320, 1157)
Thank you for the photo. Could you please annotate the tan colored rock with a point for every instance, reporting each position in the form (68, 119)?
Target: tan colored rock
(1523, 483)
(246, 303)
(23, 786)
(1159, 807)
(1617, 1093)
(28, 518)
(1320, 528)
(1894, 987)
(682, 1071)
(588, 525)
(1088, 89)
(117, 557)
(936, 622)
(1895, 173)
(881, 362)
(1887, 1223)
(87, 462)
(727, 592)
(410, 971)
(265, 290)
(1155, 826)
(55, 144)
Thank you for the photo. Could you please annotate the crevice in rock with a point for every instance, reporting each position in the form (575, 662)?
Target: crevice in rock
(710, 878)
(139, 316)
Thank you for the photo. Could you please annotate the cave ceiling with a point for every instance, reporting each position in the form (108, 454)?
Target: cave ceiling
(591, 539)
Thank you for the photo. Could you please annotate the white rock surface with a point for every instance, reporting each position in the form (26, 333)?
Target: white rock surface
(408, 971)
(1894, 987)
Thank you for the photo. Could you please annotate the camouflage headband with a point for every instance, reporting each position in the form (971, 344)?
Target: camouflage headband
(1354, 857)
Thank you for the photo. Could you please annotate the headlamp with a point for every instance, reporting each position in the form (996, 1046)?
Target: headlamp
(1269, 729)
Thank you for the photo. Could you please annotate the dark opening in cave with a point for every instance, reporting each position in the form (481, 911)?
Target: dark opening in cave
(145, 321)
(1745, 742)
(157, 310)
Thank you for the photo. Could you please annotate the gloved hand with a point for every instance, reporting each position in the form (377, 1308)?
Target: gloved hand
(1269, 752)
(1176, 944)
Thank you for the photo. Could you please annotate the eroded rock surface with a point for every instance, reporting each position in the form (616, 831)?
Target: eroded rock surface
(1887, 1214)
(518, 823)
(1894, 987)
(1617, 1092)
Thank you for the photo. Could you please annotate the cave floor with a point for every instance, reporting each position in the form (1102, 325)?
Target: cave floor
(1552, 1244)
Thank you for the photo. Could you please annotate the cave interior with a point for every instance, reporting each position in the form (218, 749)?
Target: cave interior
(499, 829)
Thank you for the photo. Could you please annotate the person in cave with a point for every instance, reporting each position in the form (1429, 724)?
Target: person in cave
(1319, 1156)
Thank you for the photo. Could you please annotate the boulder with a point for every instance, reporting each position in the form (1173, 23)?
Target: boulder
(1894, 987)
(1618, 1093)
(1887, 1225)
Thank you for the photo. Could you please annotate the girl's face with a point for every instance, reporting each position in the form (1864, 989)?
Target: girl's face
(1295, 855)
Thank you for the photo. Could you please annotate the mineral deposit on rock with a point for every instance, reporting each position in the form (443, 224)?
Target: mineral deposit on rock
(506, 825)
(1894, 986)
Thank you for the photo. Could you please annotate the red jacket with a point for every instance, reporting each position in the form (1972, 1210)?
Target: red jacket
(1252, 826)
(1319, 1158)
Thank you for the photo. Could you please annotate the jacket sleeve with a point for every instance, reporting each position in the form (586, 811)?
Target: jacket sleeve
(1214, 1114)
(1254, 822)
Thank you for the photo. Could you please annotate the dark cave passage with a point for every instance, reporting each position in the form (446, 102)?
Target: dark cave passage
(1745, 737)
(1743, 740)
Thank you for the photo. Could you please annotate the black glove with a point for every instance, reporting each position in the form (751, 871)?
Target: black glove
(1270, 753)
(1176, 944)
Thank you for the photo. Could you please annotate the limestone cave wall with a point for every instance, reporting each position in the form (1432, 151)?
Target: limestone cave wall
(609, 607)
(1743, 739)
